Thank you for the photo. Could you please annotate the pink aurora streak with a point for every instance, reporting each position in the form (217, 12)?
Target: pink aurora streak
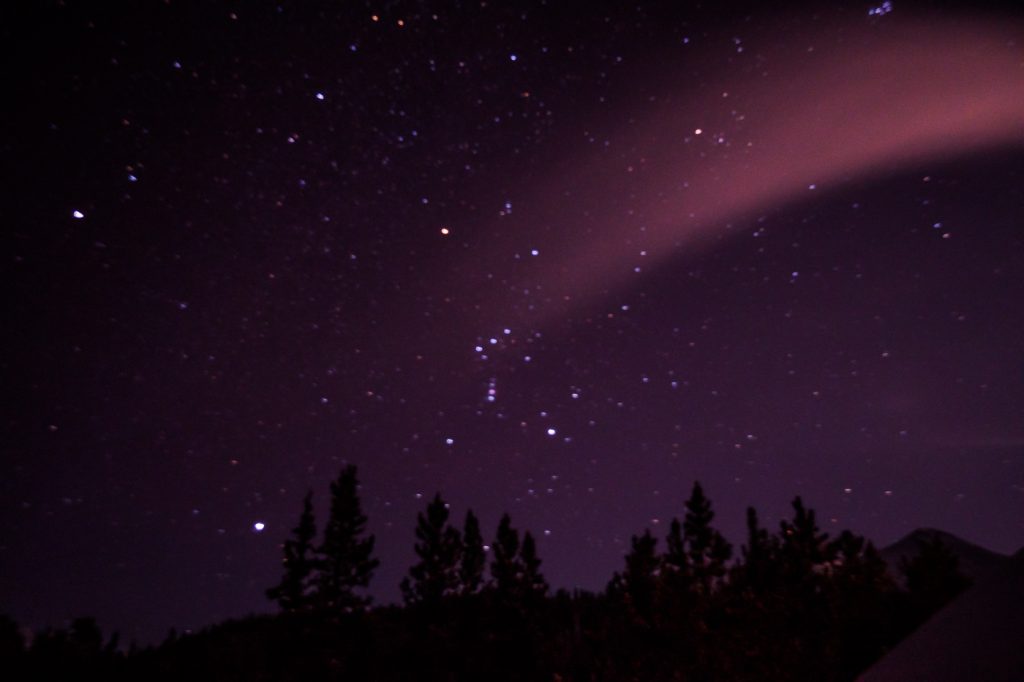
(861, 101)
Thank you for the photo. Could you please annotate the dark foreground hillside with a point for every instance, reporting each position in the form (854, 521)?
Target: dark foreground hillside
(979, 636)
(793, 605)
(760, 624)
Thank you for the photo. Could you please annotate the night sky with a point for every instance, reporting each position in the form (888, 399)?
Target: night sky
(544, 258)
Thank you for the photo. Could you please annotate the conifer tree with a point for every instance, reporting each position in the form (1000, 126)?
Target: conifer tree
(675, 549)
(804, 561)
(471, 570)
(515, 569)
(706, 549)
(439, 548)
(675, 568)
(292, 593)
(674, 587)
(345, 560)
(857, 562)
(803, 546)
(533, 583)
(757, 570)
(506, 568)
(640, 579)
(862, 603)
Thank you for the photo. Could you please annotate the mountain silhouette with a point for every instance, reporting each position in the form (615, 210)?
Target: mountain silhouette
(975, 561)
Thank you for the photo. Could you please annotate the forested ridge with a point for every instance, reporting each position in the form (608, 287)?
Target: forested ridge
(789, 604)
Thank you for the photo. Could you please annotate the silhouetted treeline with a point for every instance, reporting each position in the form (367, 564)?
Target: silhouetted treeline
(793, 604)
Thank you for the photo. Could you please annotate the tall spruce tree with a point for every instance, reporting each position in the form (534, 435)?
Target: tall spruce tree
(506, 566)
(757, 570)
(345, 560)
(471, 570)
(533, 583)
(674, 596)
(706, 549)
(675, 549)
(639, 582)
(293, 592)
(805, 562)
(802, 546)
(858, 563)
(439, 548)
(861, 594)
(516, 567)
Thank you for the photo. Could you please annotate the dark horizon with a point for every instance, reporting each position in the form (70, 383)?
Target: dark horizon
(545, 261)
(392, 596)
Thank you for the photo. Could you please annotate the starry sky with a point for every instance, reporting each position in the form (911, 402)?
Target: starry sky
(545, 258)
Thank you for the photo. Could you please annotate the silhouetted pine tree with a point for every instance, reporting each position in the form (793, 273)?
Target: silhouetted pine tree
(758, 567)
(439, 548)
(471, 570)
(802, 546)
(516, 567)
(534, 585)
(506, 566)
(345, 559)
(675, 559)
(757, 645)
(515, 598)
(863, 604)
(675, 578)
(807, 646)
(706, 549)
(293, 592)
(856, 562)
(638, 583)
